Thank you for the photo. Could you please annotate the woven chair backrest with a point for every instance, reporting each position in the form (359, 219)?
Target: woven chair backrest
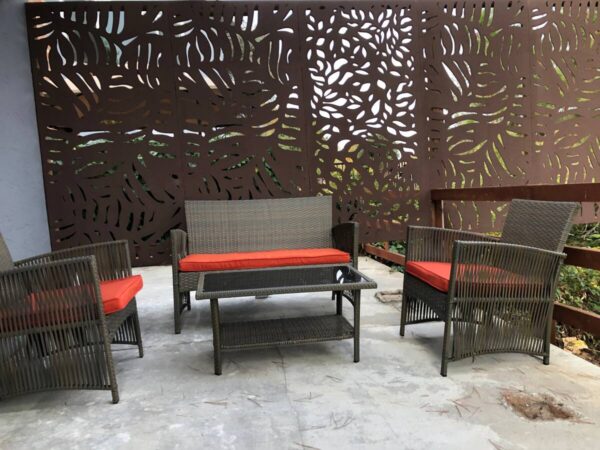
(539, 224)
(221, 226)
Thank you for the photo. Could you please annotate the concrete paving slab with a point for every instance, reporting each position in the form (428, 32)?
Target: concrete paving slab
(310, 396)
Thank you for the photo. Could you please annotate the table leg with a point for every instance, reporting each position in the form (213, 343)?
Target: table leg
(216, 326)
(356, 297)
(338, 303)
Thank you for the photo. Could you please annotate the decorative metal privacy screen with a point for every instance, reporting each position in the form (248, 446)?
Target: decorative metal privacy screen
(143, 105)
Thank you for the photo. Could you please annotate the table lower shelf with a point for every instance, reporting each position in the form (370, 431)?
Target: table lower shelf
(264, 333)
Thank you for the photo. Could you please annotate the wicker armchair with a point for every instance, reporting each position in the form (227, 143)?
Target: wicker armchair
(54, 332)
(492, 295)
(225, 227)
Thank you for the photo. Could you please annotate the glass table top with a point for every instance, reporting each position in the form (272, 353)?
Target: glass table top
(281, 280)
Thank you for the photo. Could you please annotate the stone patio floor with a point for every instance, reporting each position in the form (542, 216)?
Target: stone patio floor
(310, 396)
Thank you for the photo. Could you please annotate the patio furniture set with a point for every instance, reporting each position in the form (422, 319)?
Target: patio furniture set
(265, 247)
(60, 312)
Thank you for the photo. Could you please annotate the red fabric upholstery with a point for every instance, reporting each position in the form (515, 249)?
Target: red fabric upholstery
(9, 320)
(437, 274)
(205, 262)
(116, 294)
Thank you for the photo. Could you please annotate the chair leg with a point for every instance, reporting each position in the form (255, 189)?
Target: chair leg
(403, 313)
(447, 324)
(115, 395)
(110, 366)
(177, 312)
(188, 301)
(216, 328)
(548, 337)
(547, 351)
(138, 334)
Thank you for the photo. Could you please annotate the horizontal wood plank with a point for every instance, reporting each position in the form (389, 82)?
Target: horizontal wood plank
(393, 257)
(581, 192)
(578, 318)
(583, 257)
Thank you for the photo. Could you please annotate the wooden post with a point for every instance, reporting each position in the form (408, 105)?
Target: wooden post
(438, 213)
(553, 332)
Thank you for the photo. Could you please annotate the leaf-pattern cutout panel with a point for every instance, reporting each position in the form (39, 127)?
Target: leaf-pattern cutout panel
(366, 152)
(239, 90)
(141, 105)
(567, 95)
(107, 125)
(476, 65)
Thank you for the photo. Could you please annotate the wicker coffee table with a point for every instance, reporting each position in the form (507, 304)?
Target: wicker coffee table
(345, 281)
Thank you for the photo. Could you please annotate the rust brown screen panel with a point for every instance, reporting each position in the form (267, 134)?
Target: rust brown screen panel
(478, 82)
(239, 87)
(106, 113)
(566, 91)
(566, 95)
(367, 146)
(141, 105)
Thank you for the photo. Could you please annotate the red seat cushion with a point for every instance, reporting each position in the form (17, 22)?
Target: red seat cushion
(205, 262)
(44, 307)
(116, 294)
(437, 274)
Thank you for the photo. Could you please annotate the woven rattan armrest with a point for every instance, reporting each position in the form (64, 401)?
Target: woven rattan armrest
(345, 238)
(178, 250)
(178, 246)
(494, 267)
(52, 286)
(436, 244)
(112, 258)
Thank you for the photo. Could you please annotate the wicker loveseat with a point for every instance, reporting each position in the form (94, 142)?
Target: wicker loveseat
(250, 234)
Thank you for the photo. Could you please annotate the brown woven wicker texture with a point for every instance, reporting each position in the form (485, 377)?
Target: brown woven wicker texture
(504, 309)
(221, 226)
(254, 225)
(53, 330)
(371, 103)
(267, 333)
